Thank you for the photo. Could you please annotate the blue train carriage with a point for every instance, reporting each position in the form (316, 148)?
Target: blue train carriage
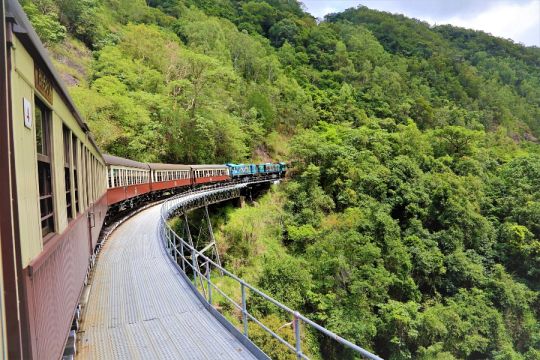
(242, 170)
(268, 169)
(282, 169)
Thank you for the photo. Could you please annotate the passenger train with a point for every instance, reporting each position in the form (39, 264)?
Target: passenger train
(57, 189)
(131, 183)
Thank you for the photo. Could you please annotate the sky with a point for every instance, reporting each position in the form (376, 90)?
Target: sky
(518, 20)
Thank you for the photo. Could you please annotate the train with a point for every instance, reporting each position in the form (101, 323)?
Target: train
(131, 183)
(57, 191)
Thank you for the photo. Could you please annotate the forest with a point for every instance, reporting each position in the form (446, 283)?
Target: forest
(410, 219)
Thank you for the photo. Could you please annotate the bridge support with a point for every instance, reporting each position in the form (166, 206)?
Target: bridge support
(197, 274)
(241, 201)
(213, 243)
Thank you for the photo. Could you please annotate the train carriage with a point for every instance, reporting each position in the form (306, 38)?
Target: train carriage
(170, 176)
(242, 170)
(56, 176)
(203, 174)
(126, 179)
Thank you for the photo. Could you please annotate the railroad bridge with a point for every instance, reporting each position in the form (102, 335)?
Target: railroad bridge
(72, 286)
(151, 293)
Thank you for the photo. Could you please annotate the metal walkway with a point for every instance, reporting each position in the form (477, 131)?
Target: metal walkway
(139, 307)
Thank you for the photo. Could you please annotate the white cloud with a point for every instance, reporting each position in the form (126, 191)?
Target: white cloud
(520, 22)
(319, 13)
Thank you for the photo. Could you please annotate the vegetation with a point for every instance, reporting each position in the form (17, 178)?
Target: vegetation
(411, 220)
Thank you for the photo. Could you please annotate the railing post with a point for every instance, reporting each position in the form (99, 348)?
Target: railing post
(193, 262)
(182, 254)
(168, 238)
(175, 247)
(296, 325)
(208, 282)
(244, 309)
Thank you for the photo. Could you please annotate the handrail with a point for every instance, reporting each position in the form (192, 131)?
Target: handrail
(173, 242)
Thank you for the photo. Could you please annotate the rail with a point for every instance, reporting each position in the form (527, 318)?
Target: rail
(179, 250)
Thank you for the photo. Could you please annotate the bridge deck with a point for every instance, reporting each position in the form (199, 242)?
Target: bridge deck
(139, 307)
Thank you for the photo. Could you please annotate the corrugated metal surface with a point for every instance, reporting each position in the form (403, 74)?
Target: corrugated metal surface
(210, 179)
(140, 307)
(161, 185)
(54, 289)
(100, 211)
(116, 160)
(202, 167)
(154, 166)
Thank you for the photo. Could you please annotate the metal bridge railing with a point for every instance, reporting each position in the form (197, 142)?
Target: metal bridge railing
(201, 266)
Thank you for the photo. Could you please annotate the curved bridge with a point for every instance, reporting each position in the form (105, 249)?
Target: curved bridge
(143, 305)
(139, 307)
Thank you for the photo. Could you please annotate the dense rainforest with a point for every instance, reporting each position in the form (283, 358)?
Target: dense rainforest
(410, 219)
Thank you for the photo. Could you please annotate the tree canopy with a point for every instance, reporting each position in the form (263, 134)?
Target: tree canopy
(410, 222)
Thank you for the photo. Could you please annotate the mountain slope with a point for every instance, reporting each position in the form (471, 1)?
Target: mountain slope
(409, 224)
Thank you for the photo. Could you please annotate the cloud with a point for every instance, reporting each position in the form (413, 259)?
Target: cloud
(518, 20)
(320, 12)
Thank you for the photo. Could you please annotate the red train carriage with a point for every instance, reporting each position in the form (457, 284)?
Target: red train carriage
(203, 174)
(127, 179)
(53, 196)
(169, 176)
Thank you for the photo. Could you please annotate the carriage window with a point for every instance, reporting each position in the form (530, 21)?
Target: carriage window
(85, 176)
(116, 177)
(93, 178)
(88, 176)
(43, 140)
(67, 170)
(111, 179)
(74, 146)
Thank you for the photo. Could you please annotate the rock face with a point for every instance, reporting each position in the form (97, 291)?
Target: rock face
(72, 59)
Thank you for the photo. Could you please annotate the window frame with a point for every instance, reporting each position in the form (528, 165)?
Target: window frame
(67, 145)
(45, 172)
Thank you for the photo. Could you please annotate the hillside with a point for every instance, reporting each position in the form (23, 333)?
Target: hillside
(411, 220)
